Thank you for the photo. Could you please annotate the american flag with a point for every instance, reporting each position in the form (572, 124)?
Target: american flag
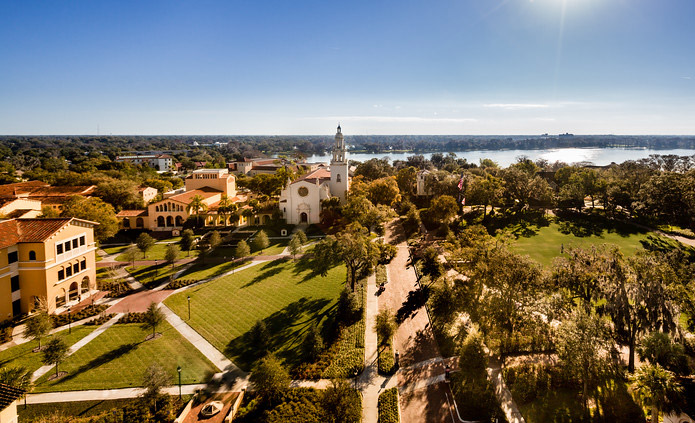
(461, 182)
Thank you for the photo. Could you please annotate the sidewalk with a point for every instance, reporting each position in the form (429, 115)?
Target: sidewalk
(370, 380)
(206, 348)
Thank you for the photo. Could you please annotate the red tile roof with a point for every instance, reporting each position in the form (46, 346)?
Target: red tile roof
(131, 213)
(317, 175)
(185, 197)
(32, 230)
(34, 189)
(8, 395)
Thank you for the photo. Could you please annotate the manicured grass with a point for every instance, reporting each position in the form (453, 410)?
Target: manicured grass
(545, 243)
(115, 250)
(157, 252)
(276, 247)
(152, 275)
(22, 355)
(118, 359)
(73, 409)
(286, 295)
(388, 406)
(201, 271)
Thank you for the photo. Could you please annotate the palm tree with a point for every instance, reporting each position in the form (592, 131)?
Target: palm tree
(223, 207)
(657, 388)
(196, 205)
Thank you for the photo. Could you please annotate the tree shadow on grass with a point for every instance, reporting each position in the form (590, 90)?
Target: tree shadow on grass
(267, 271)
(306, 266)
(101, 360)
(286, 328)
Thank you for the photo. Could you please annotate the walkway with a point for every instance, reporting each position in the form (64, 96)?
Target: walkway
(371, 383)
(79, 344)
(206, 348)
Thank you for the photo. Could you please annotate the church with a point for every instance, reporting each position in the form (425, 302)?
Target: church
(300, 200)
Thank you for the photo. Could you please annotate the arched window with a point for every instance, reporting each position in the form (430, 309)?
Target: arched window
(337, 177)
(32, 255)
(160, 221)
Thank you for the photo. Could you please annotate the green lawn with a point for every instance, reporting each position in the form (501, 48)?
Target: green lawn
(21, 355)
(118, 359)
(276, 247)
(157, 252)
(545, 243)
(287, 295)
(200, 271)
(152, 275)
(115, 250)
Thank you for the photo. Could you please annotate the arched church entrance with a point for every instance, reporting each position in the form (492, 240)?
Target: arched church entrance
(303, 218)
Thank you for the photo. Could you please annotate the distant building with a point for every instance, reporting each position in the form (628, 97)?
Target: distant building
(170, 213)
(256, 166)
(161, 162)
(8, 403)
(420, 183)
(19, 207)
(45, 258)
(147, 193)
(47, 195)
(300, 201)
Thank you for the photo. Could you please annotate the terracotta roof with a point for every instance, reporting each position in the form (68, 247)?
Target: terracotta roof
(185, 197)
(317, 175)
(131, 213)
(41, 189)
(31, 230)
(8, 394)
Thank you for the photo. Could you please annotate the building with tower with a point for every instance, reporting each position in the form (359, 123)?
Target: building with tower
(300, 200)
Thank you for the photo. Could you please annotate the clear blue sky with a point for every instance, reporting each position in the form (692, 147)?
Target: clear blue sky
(379, 67)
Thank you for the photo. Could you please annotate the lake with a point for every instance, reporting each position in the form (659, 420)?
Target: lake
(597, 156)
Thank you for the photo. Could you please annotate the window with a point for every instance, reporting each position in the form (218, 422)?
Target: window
(32, 255)
(337, 177)
(12, 257)
(76, 268)
(67, 246)
(61, 274)
(14, 283)
(82, 240)
(75, 243)
(68, 271)
(59, 247)
(83, 264)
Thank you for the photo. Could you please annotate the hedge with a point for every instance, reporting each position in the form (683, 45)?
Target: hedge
(89, 311)
(388, 406)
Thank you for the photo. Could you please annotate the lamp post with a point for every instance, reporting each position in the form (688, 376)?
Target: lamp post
(69, 320)
(189, 307)
(355, 375)
(178, 369)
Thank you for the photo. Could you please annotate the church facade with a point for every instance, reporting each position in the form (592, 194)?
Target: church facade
(300, 201)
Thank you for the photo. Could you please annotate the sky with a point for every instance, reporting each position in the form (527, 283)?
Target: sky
(378, 67)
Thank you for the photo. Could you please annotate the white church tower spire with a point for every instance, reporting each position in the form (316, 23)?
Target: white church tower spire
(340, 178)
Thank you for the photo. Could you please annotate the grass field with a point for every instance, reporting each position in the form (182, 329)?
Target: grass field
(157, 252)
(286, 295)
(200, 271)
(545, 243)
(118, 359)
(151, 276)
(21, 355)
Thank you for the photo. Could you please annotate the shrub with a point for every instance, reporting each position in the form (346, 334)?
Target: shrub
(388, 406)
(89, 311)
(180, 283)
(132, 318)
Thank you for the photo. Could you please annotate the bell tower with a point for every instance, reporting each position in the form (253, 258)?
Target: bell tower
(340, 179)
